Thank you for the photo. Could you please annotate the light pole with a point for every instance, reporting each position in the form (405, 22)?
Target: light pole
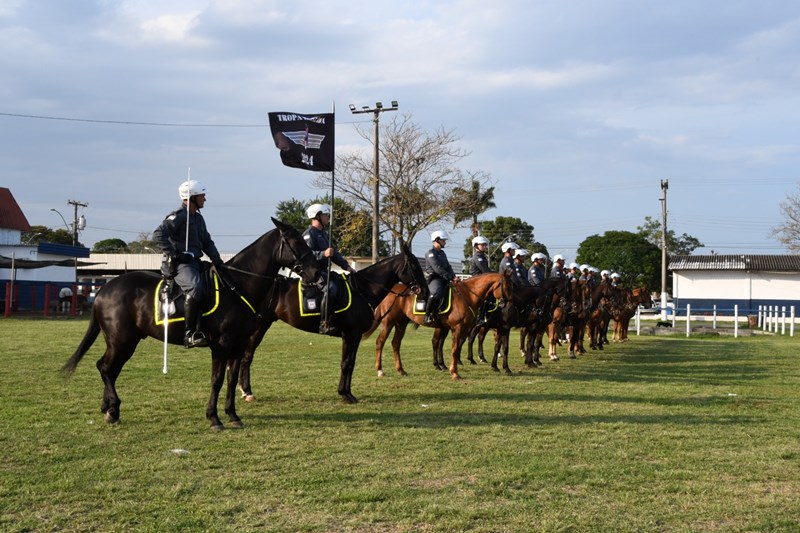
(376, 111)
(664, 187)
(62, 219)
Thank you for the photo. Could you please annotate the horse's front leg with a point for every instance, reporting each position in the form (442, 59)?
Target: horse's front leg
(234, 366)
(455, 356)
(436, 343)
(470, 342)
(523, 346)
(217, 378)
(380, 342)
(247, 361)
(397, 341)
(350, 342)
(504, 338)
(481, 337)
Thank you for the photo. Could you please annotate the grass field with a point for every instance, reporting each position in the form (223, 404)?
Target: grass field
(659, 434)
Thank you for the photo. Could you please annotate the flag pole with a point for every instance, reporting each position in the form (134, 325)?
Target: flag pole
(325, 314)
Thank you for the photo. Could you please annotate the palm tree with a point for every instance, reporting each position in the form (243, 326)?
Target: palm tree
(472, 203)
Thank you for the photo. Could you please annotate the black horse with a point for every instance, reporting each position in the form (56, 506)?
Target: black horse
(367, 288)
(124, 311)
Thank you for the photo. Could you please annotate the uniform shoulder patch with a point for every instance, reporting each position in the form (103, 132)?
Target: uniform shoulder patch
(171, 217)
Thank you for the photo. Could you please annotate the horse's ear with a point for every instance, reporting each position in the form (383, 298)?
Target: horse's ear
(278, 224)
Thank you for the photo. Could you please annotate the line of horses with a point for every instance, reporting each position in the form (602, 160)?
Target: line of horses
(254, 295)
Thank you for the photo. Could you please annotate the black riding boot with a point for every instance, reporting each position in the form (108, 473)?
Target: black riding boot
(432, 311)
(327, 324)
(194, 338)
(481, 318)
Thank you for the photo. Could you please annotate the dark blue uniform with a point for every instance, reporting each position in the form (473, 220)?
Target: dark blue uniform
(479, 264)
(170, 237)
(536, 275)
(438, 273)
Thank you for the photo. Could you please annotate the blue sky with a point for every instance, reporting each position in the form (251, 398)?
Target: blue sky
(577, 109)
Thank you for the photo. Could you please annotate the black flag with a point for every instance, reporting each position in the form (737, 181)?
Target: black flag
(305, 141)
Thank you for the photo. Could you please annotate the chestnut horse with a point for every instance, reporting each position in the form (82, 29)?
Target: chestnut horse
(636, 297)
(125, 309)
(397, 310)
(367, 288)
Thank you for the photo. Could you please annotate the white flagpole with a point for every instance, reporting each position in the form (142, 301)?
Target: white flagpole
(188, 201)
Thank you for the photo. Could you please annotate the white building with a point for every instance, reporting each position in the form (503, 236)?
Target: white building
(748, 281)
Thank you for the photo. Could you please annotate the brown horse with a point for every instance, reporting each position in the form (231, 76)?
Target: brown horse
(397, 311)
(124, 311)
(636, 297)
(366, 288)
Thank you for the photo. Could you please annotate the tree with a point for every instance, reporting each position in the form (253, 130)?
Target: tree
(419, 177)
(631, 255)
(39, 234)
(788, 232)
(474, 202)
(144, 244)
(110, 246)
(504, 229)
(352, 229)
(683, 245)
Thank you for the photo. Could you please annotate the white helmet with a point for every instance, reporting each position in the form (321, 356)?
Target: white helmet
(594, 269)
(558, 257)
(539, 255)
(317, 209)
(615, 276)
(583, 267)
(439, 234)
(573, 265)
(509, 246)
(190, 188)
(521, 252)
(480, 239)
(604, 273)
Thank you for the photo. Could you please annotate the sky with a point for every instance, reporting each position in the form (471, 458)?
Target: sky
(578, 110)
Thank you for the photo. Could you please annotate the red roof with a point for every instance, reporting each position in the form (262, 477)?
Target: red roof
(11, 216)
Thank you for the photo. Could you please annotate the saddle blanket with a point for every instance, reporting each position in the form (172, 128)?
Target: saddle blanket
(175, 311)
(419, 305)
(310, 298)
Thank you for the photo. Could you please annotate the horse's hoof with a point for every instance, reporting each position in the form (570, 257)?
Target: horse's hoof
(402, 372)
(381, 374)
(110, 419)
(235, 424)
(495, 369)
(349, 399)
(249, 398)
(455, 376)
(508, 372)
(217, 427)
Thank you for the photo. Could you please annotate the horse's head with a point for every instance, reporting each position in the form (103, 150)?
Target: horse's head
(505, 289)
(642, 297)
(294, 253)
(411, 273)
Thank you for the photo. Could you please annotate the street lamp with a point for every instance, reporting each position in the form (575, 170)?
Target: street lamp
(376, 111)
(63, 220)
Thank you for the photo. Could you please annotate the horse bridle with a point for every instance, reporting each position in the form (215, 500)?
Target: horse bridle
(297, 267)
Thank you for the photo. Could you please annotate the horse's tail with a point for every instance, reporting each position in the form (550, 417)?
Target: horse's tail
(83, 347)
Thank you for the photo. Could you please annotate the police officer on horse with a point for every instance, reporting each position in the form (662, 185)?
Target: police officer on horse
(438, 274)
(320, 244)
(479, 264)
(184, 238)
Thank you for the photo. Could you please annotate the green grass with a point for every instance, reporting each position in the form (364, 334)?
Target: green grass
(659, 434)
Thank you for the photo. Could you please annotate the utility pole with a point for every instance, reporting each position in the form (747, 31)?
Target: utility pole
(664, 187)
(77, 224)
(376, 191)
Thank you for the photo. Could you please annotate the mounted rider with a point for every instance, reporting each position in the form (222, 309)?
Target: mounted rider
(520, 277)
(536, 272)
(479, 264)
(557, 271)
(319, 243)
(507, 262)
(438, 274)
(184, 238)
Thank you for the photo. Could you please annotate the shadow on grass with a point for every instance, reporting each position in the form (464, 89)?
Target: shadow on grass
(431, 419)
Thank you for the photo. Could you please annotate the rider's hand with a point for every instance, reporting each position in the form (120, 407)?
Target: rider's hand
(328, 252)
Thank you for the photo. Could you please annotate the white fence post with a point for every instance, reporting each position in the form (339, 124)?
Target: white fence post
(688, 319)
(783, 320)
(714, 321)
(791, 324)
(638, 320)
(736, 321)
